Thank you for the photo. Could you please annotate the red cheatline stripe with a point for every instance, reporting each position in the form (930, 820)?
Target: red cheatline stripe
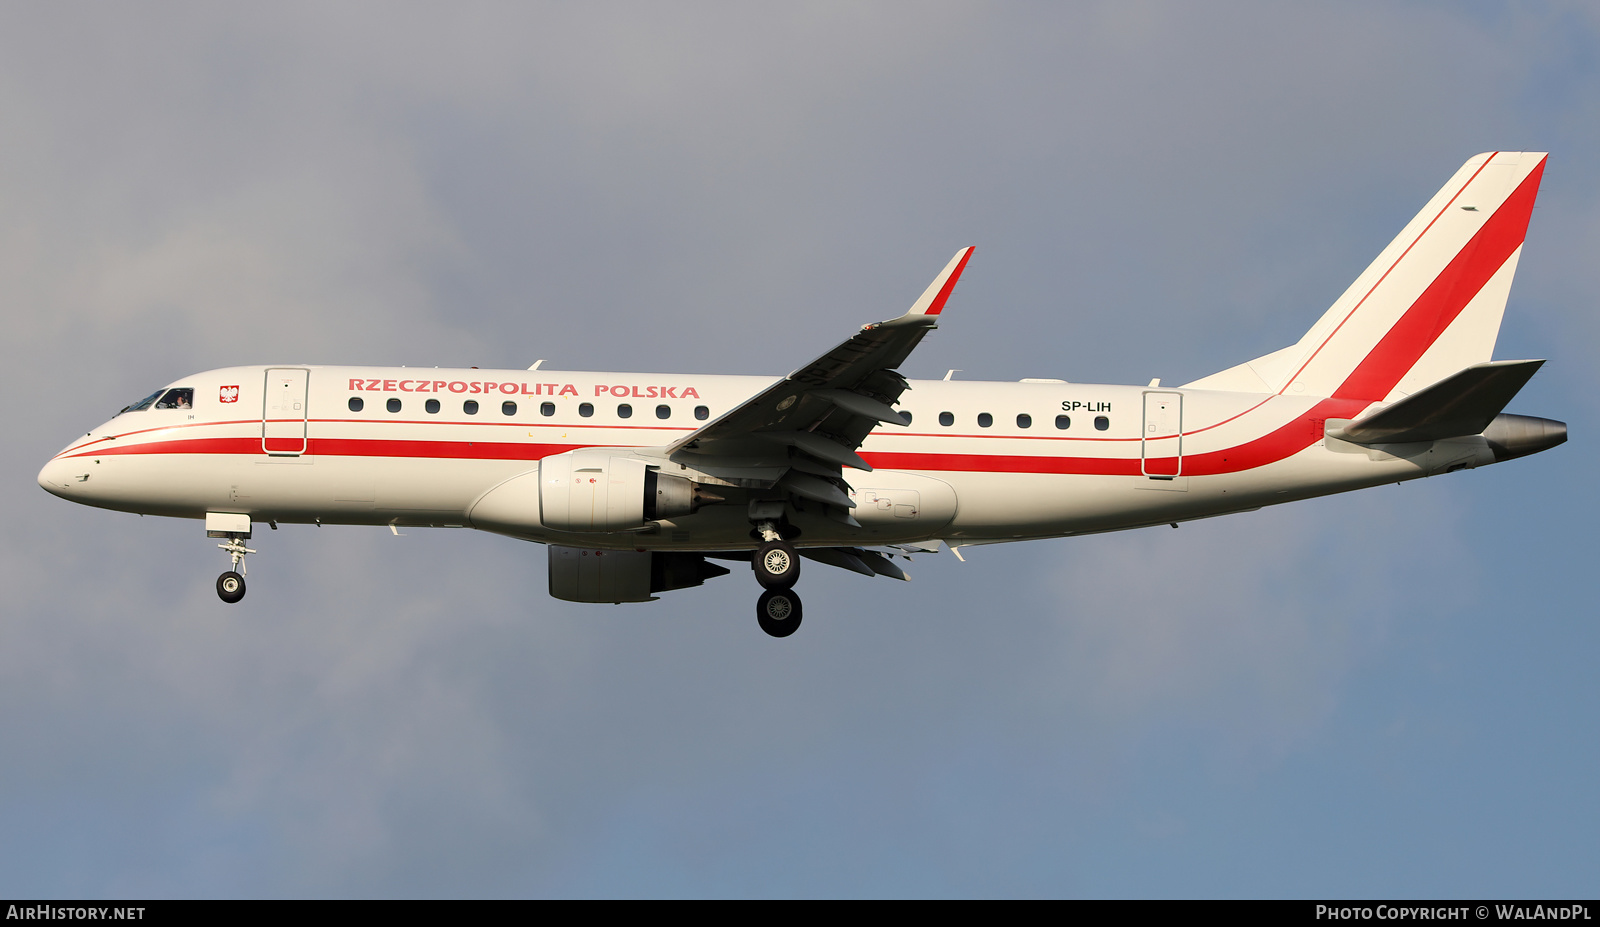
(349, 447)
(937, 305)
(142, 431)
(463, 450)
(1289, 439)
(1285, 441)
(179, 446)
(996, 463)
(83, 450)
(1444, 299)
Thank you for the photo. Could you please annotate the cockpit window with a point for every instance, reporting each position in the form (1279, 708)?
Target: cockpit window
(181, 398)
(144, 403)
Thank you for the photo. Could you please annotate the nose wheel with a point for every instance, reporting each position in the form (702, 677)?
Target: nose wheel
(230, 587)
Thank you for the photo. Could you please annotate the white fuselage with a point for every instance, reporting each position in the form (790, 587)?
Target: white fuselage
(399, 446)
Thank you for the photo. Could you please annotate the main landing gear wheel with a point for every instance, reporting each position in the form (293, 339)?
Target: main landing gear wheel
(776, 564)
(778, 612)
(230, 587)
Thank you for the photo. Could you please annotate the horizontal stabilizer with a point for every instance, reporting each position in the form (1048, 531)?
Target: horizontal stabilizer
(1462, 404)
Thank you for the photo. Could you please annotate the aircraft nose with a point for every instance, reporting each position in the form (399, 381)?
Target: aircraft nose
(56, 477)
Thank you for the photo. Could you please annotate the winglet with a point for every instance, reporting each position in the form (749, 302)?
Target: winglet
(933, 299)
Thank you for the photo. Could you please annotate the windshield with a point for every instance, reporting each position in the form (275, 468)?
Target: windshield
(144, 403)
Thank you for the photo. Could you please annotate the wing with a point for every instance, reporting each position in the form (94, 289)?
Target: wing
(813, 420)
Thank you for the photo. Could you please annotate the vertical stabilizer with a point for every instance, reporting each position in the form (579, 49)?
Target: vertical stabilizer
(1427, 307)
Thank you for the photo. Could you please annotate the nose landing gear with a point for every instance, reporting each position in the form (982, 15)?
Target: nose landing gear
(234, 530)
(230, 585)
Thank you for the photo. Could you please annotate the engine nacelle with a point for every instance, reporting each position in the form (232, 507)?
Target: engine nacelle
(595, 490)
(591, 490)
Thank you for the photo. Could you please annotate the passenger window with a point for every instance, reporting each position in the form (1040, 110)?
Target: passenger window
(432, 406)
(470, 407)
(1063, 422)
(663, 411)
(177, 399)
(508, 408)
(1024, 420)
(547, 409)
(985, 420)
(1101, 423)
(702, 413)
(393, 405)
(356, 403)
(947, 419)
(586, 409)
(624, 411)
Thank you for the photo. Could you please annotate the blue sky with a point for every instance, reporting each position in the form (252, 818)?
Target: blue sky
(1388, 693)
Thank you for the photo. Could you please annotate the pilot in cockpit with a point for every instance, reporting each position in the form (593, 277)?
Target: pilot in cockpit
(180, 398)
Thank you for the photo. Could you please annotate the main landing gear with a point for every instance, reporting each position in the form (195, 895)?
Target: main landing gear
(777, 566)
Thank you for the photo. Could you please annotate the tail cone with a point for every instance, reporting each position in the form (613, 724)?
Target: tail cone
(1513, 436)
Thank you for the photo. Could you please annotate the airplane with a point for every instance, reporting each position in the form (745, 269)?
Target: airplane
(638, 482)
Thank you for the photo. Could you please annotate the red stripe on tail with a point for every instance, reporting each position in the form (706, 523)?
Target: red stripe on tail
(1416, 331)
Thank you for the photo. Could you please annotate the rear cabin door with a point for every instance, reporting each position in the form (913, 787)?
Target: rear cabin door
(283, 412)
(1161, 444)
